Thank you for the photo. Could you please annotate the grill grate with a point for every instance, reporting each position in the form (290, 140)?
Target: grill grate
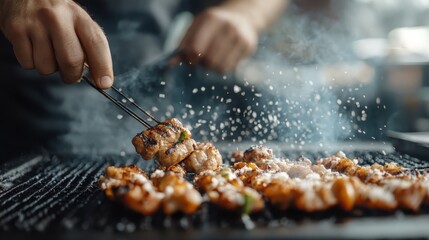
(45, 193)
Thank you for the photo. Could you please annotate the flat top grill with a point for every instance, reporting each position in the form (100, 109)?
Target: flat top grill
(59, 194)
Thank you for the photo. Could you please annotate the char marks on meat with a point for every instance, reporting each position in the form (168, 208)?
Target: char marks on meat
(171, 143)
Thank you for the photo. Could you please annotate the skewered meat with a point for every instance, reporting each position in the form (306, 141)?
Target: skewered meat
(204, 157)
(170, 142)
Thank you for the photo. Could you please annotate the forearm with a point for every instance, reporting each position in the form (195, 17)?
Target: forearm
(260, 13)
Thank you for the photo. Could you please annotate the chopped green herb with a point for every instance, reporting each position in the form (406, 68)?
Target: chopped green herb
(248, 204)
(225, 175)
(182, 137)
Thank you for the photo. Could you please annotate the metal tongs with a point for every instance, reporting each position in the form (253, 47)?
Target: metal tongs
(160, 65)
(121, 104)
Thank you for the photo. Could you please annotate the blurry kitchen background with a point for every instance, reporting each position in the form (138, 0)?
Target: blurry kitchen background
(327, 71)
(348, 70)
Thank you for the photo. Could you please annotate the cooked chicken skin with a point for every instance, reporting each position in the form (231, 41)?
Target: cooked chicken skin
(257, 154)
(224, 189)
(170, 142)
(335, 181)
(167, 190)
(179, 194)
(175, 153)
(130, 186)
(204, 157)
(318, 187)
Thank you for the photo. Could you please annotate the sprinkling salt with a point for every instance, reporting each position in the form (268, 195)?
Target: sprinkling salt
(236, 89)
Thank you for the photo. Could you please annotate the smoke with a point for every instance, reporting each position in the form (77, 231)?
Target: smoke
(285, 93)
(292, 101)
(285, 101)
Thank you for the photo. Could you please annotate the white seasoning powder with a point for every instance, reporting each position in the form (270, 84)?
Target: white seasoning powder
(169, 190)
(138, 178)
(148, 187)
(158, 174)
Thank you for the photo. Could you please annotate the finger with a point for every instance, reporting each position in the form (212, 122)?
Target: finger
(24, 52)
(43, 53)
(68, 50)
(236, 55)
(16, 33)
(220, 49)
(96, 50)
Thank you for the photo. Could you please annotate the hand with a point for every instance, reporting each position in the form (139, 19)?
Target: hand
(56, 35)
(219, 38)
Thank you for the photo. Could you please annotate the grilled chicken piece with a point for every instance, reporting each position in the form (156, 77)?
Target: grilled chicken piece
(257, 154)
(247, 172)
(345, 193)
(142, 199)
(159, 173)
(333, 181)
(308, 196)
(237, 156)
(176, 153)
(179, 194)
(167, 189)
(333, 188)
(314, 196)
(224, 189)
(170, 142)
(204, 157)
(368, 174)
(410, 194)
(130, 186)
(373, 196)
(130, 173)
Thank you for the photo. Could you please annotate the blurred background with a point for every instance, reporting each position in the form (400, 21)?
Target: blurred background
(327, 71)
(349, 70)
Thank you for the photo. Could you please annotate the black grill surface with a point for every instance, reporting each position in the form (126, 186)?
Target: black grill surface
(57, 196)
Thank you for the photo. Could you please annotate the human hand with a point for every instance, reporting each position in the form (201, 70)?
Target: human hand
(56, 35)
(219, 38)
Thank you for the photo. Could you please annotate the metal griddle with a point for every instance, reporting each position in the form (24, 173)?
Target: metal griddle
(413, 143)
(44, 196)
